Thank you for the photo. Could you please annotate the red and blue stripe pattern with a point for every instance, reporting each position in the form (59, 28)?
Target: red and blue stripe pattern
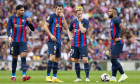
(79, 39)
(56, 29)
(18, 29)
(115, 33)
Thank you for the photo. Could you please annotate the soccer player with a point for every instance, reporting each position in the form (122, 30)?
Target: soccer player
(17, 40)
(79, 28)
(53, 27)
(117, 31)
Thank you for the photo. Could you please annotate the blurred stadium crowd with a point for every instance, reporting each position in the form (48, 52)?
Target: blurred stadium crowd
(98, 32)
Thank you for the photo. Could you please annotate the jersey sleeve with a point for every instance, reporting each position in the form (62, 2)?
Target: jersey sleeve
(86, 24)
(31, 26)
(71, 26)
(117, 21)
(9, 25)
(49, 19)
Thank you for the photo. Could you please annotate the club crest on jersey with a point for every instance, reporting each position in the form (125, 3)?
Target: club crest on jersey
(57, 25)
(76, 30)
(15, 25)
(22, 20)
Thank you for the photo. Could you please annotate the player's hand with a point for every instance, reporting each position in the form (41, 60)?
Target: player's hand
(10, 40)
(62, 14)
(53, 37)
(80, 19)
(70, 38)
(29, 19)
(117, 39)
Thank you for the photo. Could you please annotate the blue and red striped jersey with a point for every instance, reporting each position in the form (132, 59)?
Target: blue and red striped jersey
(55, 26)
(79, 39)
(115, 30)
(18, 25)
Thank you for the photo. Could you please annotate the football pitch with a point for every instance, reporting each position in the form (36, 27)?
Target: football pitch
(38, 77)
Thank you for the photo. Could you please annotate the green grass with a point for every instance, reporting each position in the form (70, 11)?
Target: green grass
(38, 77)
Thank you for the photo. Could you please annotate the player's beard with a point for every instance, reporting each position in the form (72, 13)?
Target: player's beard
(111, 16)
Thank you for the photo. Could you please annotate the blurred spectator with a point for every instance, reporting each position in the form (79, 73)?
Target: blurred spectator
(69, 67)
(36, 68)
(5, 67)
(36, 57)
(28, 66)
(62, 67)
(43, 66)
(97, 66)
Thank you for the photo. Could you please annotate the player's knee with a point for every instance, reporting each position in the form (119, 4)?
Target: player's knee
(85, 60)
(23, 54)
(52, 57)
(76, 60)
(57, 59)
(14, 56)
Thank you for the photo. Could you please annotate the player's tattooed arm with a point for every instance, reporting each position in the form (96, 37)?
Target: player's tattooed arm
(65, 25)
(82, 29)
(46, 28)
(122, 30)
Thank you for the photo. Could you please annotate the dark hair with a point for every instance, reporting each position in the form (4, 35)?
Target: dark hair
(95, 63)
(115, 9)
(19, 7)
(59, 5)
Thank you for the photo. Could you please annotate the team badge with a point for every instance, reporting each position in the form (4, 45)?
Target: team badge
(22, 20)
(15, 25)
(57, 25)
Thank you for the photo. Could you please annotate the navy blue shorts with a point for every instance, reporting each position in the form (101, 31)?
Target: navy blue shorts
(116, 50)
(17, 47)
(54, 48)
(79, 52)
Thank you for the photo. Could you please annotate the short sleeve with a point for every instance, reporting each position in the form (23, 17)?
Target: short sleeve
(49, 19)
(71, 26)
(86, 24)
(117, 21)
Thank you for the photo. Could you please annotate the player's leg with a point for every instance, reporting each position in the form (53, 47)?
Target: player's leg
(74, 53)
(14, 65)
(52, 52)
(23, 54)
(14, 51)
(77, 67)
(55, 63)
(115, 52)
(84, 54)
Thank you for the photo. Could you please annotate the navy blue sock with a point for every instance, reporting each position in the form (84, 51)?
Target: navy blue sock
(14, 65)
(117, 65)
(55, 67)
(49, 67)
(114, 70)
(86, 67)
(23, 65)
(77, 68)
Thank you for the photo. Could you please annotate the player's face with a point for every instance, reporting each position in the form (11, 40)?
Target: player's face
(79, 14)
(110, 13)
(59, 10)
(20, 11)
